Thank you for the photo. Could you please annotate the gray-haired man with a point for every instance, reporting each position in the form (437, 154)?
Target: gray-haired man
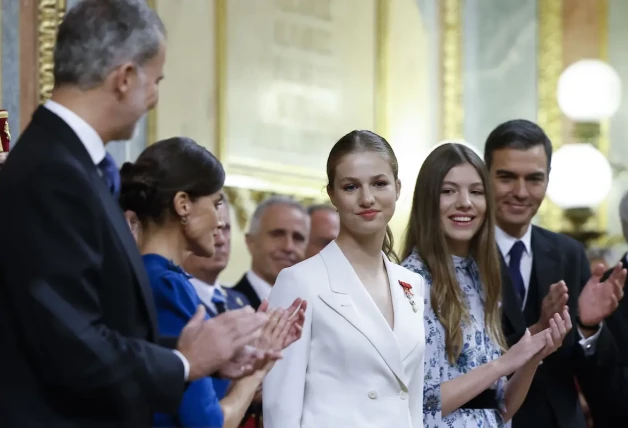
(78, 329)
(277, 239)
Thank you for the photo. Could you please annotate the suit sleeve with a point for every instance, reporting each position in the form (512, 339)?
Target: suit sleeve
(53, 255)
(284, 386)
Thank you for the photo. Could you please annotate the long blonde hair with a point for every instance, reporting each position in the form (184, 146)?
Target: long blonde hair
(425, 234)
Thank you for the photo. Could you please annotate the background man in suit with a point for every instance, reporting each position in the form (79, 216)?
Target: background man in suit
(277, 239)
(543, 272)
(608, 404)
(324, 228)
(77, 321)
(206, 270)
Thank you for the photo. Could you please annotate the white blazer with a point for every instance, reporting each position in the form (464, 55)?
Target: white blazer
(349, 369)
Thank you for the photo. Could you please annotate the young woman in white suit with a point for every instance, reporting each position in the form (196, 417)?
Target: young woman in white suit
(359, 362)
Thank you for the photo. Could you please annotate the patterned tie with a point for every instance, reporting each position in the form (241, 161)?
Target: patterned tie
(514, 268)
(110, 174)
(219, 300)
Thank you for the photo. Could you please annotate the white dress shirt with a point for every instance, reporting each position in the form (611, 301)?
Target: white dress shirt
(205, 292)
(96, 149)
(261, 287)
(505, 243)
(88, 136)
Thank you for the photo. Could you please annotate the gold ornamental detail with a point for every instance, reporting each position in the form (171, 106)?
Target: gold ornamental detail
(451, 54)
(550, 66)
(49, 16)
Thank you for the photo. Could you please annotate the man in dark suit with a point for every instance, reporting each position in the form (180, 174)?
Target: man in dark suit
(277, 239)
(542, 272)
(608, 403)
(77, 321)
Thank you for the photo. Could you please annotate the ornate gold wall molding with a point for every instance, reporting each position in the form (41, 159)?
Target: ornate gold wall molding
(604, 143)
(549, 68)
(451, 63)
(49, 16)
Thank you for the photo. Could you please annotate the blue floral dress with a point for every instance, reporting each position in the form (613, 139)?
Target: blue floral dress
(478, 349)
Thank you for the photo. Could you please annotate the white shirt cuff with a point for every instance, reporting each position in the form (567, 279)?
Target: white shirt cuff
(186, 364)
(588, 343)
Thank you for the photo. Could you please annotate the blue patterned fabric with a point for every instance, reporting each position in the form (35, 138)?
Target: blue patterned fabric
(478, 349)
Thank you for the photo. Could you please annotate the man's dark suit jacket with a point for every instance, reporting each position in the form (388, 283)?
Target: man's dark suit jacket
(609, 403)
(553, 400)
(77, 321)
(244, 286)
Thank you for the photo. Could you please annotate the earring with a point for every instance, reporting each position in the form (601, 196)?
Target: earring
(184, 219)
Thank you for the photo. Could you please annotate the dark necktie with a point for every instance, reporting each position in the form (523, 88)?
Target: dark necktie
(514, 268)
(219, 300)
(110, 174)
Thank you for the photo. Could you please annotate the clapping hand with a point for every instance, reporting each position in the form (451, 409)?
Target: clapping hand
(220, 343)
(555, 334)
(533, 348)
(296, 313)
(599, 299)
(553, 303)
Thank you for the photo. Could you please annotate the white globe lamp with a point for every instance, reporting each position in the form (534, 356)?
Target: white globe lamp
(580, 177)
(589, 91)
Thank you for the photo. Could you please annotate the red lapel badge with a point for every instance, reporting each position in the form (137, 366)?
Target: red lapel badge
(407, 289)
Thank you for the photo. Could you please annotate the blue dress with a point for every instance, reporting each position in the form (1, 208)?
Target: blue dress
(176, 302)
(478, 349)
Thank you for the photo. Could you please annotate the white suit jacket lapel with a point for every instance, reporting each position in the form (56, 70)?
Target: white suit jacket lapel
(349, 298)
(407, 321)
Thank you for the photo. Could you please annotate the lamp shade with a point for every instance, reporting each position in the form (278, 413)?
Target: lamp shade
(589, 91)
(580, 177)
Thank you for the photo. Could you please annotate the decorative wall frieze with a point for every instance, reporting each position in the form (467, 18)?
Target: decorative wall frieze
(49, 16)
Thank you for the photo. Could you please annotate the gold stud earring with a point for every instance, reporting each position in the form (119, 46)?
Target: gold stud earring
(184, 219)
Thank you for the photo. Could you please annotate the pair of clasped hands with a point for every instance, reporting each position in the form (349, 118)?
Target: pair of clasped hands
(239, 342)
(596, 301)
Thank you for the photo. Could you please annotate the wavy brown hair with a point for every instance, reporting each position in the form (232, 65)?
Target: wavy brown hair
(365, 141)
(425, 234)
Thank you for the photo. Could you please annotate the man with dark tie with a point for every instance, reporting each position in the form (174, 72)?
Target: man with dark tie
(277, 239)
(78, 331)
(205, 270)
(544, 271)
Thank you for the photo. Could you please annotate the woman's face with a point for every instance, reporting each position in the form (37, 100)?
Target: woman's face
(364, 192)
(202, 223)
(462, 207)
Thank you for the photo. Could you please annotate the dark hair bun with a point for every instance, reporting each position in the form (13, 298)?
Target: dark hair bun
(161, 171)
(138, 190)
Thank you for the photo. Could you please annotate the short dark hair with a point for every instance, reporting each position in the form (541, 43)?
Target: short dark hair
(163, 169)
(96, 36)
(517, 134)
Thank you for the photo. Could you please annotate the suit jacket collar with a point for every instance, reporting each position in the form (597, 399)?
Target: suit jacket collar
(351, 300)
(83, 130)
(76, 148)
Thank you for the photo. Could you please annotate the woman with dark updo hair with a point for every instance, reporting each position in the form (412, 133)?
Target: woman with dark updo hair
(174, 190)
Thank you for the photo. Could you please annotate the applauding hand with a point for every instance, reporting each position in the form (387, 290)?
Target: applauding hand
(599, 299)
(220, 343)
